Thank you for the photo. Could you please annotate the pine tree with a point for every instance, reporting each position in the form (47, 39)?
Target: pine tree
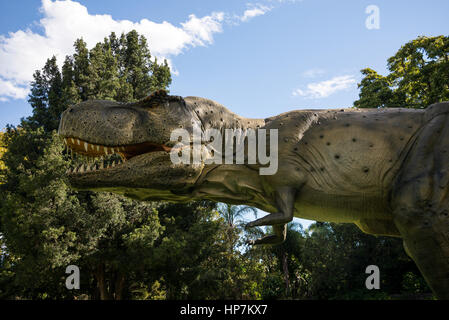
(102, 73)
(46, 96)
(81, 68)
(70, 91)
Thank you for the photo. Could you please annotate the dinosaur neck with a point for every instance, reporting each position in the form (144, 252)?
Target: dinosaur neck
(215, 116)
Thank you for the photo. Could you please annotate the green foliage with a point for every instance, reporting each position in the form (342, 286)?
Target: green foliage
(414, 283)
(2, 151)
(336, 256)
(124, 248)
(376, 91)
(45, 225)
(419, 76)
(198, 257)
(233, 215)
(289, 255)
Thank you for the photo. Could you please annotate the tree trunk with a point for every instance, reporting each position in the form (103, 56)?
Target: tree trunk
(101, 281)
(286, 277)
(119, 286)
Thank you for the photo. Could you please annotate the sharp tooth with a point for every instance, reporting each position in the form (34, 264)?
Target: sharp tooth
(105, 150)
(73, 140)
(112, 149)
(65, 141)
(122, 148)
(101, 165)
(87, 168)
(113, 164)
(98, 148)
(86, 145)
(78, 141)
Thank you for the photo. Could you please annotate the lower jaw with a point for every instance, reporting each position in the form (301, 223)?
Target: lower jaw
(114, 169)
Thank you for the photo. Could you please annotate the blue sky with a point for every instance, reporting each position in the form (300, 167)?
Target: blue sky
(258, 58)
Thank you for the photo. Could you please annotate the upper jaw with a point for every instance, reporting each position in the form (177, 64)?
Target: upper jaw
(125, 151)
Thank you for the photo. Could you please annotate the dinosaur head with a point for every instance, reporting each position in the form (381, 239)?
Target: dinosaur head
(126, 146)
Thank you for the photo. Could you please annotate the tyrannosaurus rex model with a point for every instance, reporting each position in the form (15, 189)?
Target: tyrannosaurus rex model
(386, 170)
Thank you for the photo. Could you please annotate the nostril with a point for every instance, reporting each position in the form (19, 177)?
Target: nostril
(71, 110)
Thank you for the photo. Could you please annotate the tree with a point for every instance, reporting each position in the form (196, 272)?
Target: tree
(125, 249)
(234, 215)
(419, 76)
(46, 96)
(81, 68)
(336, 256)
(46, 225)
(376, 92)
(289, 255)
(103, 73)
(2, 151)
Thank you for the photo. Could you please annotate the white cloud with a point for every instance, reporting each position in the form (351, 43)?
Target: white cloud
(202, 29)
(313, 73)
(24, 51)
(256, 10)
(323, 89)
(9, 89)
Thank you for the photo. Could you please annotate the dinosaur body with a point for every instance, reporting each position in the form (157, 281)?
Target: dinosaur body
(382, 169)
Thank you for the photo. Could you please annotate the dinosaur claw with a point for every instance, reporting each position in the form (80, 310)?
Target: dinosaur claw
(251, 242)
(249, 225)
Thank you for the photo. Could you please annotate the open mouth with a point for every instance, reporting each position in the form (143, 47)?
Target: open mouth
(101, 157)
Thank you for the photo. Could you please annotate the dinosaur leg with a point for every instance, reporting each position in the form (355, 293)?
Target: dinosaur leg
(280, 232)
(420, 203)
(285, 198)
(426, 241)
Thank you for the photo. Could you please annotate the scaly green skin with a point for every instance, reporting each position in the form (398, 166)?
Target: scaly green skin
(386, 170)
